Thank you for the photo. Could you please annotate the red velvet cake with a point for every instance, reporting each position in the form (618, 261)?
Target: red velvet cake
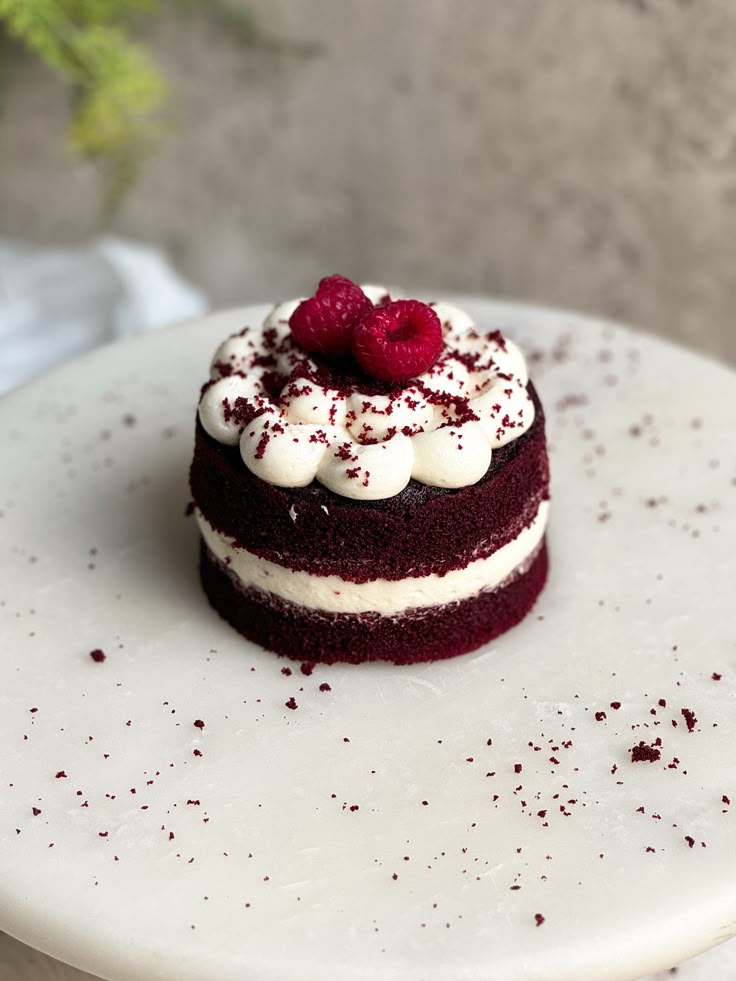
(370, 480)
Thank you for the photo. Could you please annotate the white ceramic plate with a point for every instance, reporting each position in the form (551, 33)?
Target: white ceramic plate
(474, 818)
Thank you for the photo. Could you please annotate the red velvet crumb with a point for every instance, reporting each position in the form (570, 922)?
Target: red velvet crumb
(690, 718)
(644, 753)
(97, 655)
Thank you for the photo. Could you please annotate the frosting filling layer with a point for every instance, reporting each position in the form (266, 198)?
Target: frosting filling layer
(387, 597)
(410, 638)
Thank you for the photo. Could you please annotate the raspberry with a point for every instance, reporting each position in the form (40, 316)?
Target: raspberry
(398, 341)
(324, 323)
(334, 282)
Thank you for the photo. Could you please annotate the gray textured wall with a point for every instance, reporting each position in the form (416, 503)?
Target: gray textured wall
(579, 152)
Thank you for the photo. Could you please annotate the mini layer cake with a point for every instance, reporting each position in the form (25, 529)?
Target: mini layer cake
(370, 480)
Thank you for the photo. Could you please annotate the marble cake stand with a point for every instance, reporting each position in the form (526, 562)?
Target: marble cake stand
(560, 805)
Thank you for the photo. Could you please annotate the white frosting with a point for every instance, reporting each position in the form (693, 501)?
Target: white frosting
(218, 401)
(454, 456)
(440, 429)
(452, 318)
(367, 472)
(281, 313)
(314, 404)
(450, 376)
(381, 417)
(281, 452)
(504, 410)
(388, 597)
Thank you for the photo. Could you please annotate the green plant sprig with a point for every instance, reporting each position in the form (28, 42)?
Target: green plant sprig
(119, 95)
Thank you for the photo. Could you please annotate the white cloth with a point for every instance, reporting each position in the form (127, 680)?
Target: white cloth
(56, 302)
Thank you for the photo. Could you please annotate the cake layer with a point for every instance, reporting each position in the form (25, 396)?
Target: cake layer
(418, 635)
(419, 531)
(388, 597)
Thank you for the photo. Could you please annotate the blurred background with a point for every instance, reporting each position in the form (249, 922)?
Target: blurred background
(571, 153)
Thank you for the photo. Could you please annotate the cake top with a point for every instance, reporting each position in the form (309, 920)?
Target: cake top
(363, 391)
